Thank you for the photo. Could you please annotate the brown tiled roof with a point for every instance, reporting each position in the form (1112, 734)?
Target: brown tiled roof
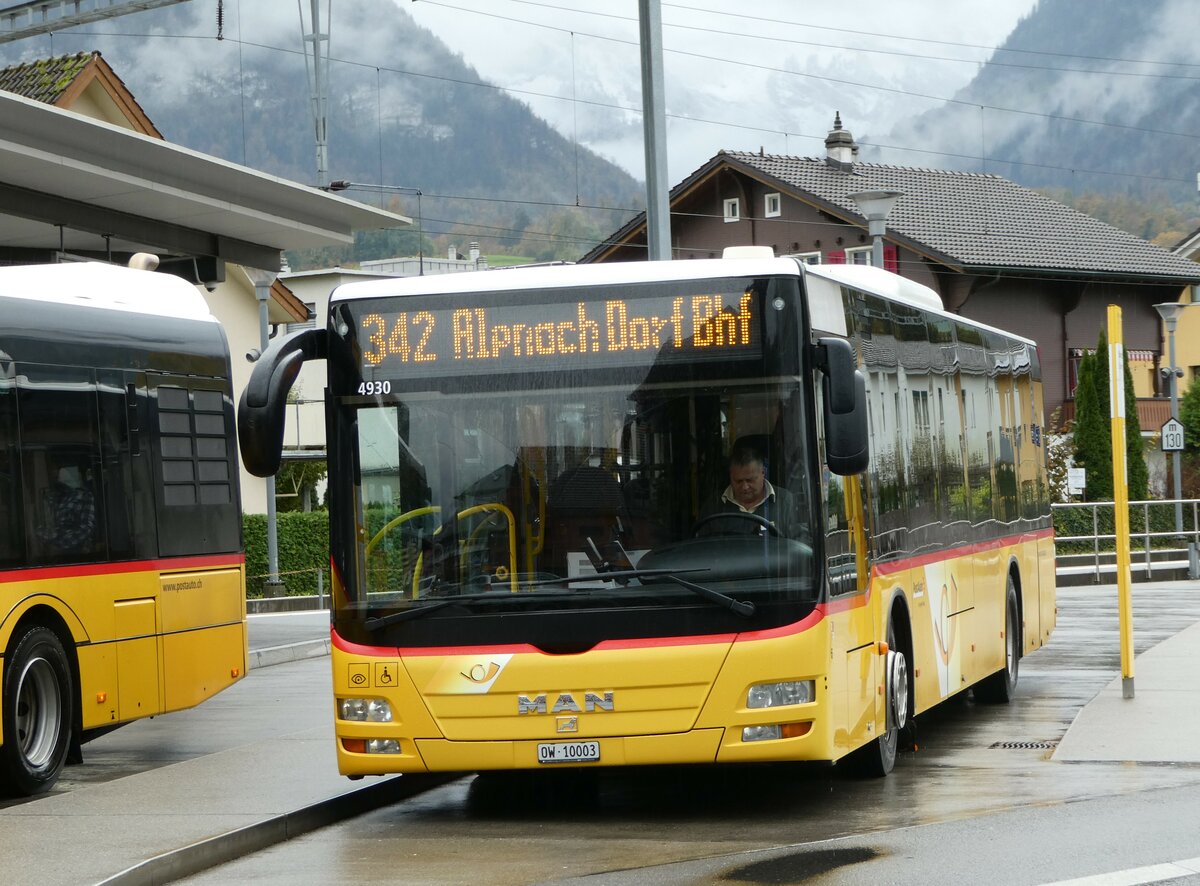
(960, 219)
(61, 80)
(45, 80)
(979, 221)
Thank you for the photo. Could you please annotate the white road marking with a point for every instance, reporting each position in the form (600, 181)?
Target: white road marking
(1154, 873)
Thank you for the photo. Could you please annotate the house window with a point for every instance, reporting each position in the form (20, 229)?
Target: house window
(808, 258)
(771, 206)
(733, 211)
(858, 255)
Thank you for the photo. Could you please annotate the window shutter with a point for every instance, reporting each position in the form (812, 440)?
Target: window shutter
(891, 261)
(835, 257)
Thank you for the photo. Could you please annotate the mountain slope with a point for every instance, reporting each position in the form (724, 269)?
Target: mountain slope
(403, 111)
(1071, 101)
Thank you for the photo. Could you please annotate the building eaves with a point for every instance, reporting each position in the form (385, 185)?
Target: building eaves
(962, 220)
(981, 221)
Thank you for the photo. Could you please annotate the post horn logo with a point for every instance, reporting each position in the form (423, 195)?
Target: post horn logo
(482, 673)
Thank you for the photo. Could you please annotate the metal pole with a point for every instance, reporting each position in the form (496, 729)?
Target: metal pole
(876, 229)
(262, 291)
(654, 129)
(1175, 456)
(1116, 398)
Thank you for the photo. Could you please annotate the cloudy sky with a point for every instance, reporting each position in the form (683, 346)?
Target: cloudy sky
(769, 75)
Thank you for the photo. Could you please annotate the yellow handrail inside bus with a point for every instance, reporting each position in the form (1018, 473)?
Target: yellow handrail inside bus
(396, 521)
(436, 509)
(512, 534)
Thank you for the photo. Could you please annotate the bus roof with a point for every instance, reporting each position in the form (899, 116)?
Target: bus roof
(111, 287)
(880, 282)
(566, 276)
(865, 277)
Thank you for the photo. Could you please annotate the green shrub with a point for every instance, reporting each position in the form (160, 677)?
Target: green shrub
(303, 549)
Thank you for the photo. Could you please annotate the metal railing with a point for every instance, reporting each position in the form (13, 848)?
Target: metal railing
(1148, 540)
(322, 595)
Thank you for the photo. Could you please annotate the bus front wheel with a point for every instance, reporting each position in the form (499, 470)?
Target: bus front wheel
(877, 758)
(37, 703)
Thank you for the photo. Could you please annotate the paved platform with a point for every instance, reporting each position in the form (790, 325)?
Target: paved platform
(1159, 724)
(255, 766)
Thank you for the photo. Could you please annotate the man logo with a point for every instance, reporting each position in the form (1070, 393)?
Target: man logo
(566, 704)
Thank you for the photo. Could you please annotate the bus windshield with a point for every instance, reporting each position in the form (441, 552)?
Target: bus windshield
(638, 484)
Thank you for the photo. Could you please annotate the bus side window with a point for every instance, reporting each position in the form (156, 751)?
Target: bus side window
(60, 466)
(12, 522)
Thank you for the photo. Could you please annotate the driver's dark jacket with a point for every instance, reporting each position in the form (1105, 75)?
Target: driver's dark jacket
(779, 507)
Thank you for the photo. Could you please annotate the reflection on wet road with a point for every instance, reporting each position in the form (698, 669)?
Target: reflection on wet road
(975, 767)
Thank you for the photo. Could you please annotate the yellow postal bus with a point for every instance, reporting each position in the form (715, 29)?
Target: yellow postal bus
(122, 575)
(726, 510)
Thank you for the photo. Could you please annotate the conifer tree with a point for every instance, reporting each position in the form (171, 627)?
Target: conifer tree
(1189, 417)
(1093, 429)
(1090, 434)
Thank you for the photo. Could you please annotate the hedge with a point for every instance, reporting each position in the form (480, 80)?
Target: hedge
(303, 549)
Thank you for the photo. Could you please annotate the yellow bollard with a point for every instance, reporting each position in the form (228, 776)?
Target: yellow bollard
(1116, 397)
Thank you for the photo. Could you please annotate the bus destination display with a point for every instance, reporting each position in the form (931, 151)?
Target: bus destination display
(581, 334)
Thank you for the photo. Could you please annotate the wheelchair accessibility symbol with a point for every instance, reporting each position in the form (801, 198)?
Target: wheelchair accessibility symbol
(385, 674)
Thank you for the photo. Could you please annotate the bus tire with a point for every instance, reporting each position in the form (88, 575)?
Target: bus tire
(1000, 687)
(38, 710)
(878, 757)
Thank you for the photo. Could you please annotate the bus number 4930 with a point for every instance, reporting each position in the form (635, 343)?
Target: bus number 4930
(374, 388)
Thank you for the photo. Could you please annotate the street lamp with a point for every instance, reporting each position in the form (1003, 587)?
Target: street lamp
(1170, 311)
(342, 185)
(876, 205)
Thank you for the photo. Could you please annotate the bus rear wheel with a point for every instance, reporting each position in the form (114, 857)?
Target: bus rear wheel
(1000, 687)
(38, 710)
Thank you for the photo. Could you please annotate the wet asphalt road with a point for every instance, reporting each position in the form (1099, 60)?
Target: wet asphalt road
(979, 800)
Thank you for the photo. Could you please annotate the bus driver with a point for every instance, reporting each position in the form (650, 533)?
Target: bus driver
(750, 492)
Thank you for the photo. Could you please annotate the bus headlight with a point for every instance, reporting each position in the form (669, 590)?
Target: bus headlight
(776, 730)
(773, 695)
(366, 710)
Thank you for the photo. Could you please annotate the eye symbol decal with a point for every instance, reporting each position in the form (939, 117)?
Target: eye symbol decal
(480, 673)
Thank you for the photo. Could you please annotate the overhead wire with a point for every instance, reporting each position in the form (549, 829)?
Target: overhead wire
(692, 119)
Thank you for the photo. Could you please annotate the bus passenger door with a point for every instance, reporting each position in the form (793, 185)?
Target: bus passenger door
(854, 658)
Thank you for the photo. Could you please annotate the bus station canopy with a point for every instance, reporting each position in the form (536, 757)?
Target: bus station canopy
(79, 185)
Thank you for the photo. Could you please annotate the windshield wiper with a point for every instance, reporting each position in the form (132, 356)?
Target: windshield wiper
(743, 608)
(419, 611)
(740, 607)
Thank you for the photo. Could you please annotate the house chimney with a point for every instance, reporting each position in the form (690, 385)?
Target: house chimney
(840, 148)
(452, 253)
(474, 253)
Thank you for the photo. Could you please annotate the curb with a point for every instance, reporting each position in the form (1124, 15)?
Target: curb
(179, 863)
(273, 655)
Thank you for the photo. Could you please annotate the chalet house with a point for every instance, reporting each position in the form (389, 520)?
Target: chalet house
(996, 252)
(85, 84)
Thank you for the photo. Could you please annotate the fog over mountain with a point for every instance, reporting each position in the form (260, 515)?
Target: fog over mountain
(403, 111)
(1083, 95)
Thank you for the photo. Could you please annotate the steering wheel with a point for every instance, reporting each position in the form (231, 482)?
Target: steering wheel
(740, 515)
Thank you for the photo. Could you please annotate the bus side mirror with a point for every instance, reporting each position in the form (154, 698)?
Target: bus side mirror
(845, 407)
(262, 408)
